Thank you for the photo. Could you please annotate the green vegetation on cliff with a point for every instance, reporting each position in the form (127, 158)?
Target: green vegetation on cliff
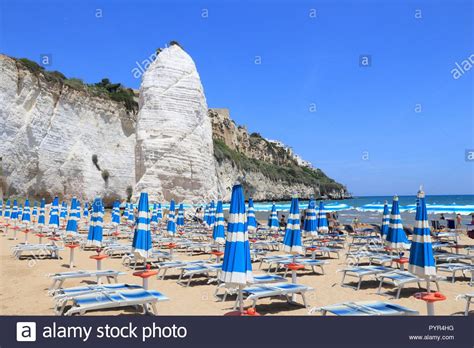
(104, 88)
(286, 173)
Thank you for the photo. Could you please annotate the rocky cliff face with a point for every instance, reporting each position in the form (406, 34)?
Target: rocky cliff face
(174, 150)
(60, 140)
(49, 133)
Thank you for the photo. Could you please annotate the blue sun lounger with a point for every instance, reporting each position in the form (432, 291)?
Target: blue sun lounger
(257, 279)
(455, 267)
(360, 272)
(364, 308)
(204, 269)
(399, 279)
(146, 299)
(254, 293)
(63, 296)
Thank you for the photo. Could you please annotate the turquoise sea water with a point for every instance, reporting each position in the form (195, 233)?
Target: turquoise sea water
(463, 204)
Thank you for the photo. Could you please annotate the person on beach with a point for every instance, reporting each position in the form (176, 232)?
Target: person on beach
(355, 222)
(282, 222)
(458, 221)
(442, 217)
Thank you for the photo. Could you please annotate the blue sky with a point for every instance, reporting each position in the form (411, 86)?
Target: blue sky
(360, 111)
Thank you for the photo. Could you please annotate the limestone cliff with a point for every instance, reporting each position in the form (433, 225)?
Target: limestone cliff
(59, 136)
(174, 150)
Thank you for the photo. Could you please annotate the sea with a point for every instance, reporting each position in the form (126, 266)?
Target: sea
(368, 209)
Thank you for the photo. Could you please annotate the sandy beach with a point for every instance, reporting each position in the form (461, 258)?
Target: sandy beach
(24, 284)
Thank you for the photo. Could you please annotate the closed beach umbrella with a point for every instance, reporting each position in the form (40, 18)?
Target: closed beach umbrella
(116, 213)
(26, 216)
(125, 212)
(85, 213)
(54, 214)
(206, 215)
(171, 227)
(396, 237)
(212, 214)
(142, 237)
(218, 233)
(63, 214)
(237, 266)
(1, 207)
(322, 220)
(385, 220)
(310, 222)
(15, 213)
(180, 220)
(97, 222)
(131, 215)
(251, 221)
(273, 219)
(7, 210)
(154, 215)
(34, 213)
(160, 212)
(292, 240)
(41, 218)
(71, 227)
(422, 261)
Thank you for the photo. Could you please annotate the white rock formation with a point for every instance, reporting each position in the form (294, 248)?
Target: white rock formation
(174, 150)
(49, 132)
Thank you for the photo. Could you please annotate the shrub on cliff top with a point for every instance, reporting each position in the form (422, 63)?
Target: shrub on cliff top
(287, 173)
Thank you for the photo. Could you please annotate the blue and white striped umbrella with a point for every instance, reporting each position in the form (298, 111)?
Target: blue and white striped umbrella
(63, 214)
(212, 214)
(422, 261)
(1, 207)
(273, 219)
(94, 237)
(154, 215)
(311, 221)
(171, 227)
(385, 221)
(7, 210)
(159, 212)
(71, 227)
(218, 233)
(206, 215)
(125, 212)
(251, 221)
(396, 237)
(322, 220)
(116, 213)
(54, 214)
(26, 216)
(41, 218)
(142, 236)
(85, 213)
(180, 220)
(20, 211)
(237, 266)
(34, 213)
(14, 214)
(292, 240)
(131, 214)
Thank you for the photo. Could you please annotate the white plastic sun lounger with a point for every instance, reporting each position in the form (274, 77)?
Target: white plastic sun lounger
(274, 260)
(146, 299)
(175, 264)
(204, 269)
(323, 251)
(117, 249)
(469, 299)
(257, 279)
(399, 279)
(305, 262)
(254, 293)
(364, 308)
(60, 278)
(36, 250)
(455, 267)
(360, 272)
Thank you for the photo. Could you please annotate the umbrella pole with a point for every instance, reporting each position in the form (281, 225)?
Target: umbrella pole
(241, 300)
